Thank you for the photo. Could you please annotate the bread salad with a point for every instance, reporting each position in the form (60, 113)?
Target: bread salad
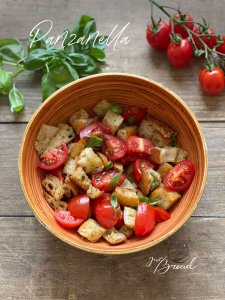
(114, 174)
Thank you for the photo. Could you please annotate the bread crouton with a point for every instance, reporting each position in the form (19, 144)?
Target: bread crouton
(70, 166)
(167, 154)
(164, 169)
(127, 131)
(125, 196)
(166, 197)
(128, 232)
(93, 192)
(103, 158)
(79, 120)
(45, 135)
(128, 185)
(129, 215)
(101, 108)
(130, 172)
(53, 186)
(81, 179)
(181, 155)
(78, 147)
(70, 189)
(113, 121)
(150, 179)
(60, 205)
(113, 236)
(91, 230)
(90, 161)
(117, 166)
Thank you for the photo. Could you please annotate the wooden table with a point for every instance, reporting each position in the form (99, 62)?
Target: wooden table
(36, 265)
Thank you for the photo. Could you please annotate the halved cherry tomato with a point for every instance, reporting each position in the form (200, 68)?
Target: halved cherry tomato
(78, 206)
(180, 177)
(188, 22)
(140, 166)
(134, 114)
(137, 145)
(212, 81)
(104, 212)
(64, 218)
(95, 128)
(145, 219)
(101, 180)
(161, 214)
(158, 35)
(126, 160)
(54, 158)
(208, 38)
(120, 222)
(113, 147)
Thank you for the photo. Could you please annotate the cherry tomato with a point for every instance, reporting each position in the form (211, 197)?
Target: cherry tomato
(104, 212)
(64, 218)
(113, 147)
(54, 158)
(221, 48)
(180, 177)
(95, 128)
(210, 41)
(134, 114)
(145, 219)
(58, 173)
(101, 180)
(78, 206)
(140, 166)
(158, 37)
(212, 82)
(138, 146)
(126, 160)
(180, 54)
(188, 23)
(161, 214)
(120, 222)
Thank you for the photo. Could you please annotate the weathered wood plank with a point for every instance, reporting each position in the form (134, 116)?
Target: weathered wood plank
(36, 265)
(12, 201)
(135, 58)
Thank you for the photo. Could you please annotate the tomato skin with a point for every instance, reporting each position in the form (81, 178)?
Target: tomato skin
(136, 145)
(56, 155)
(64, 218)
(161, 214)
(96, 128)
(120, 222)
(101, 180)
(209, 41)
(104, 212)
(178, 29)
(113, 147)
(145, 219)
(212, 82)
(134, 112)
(79, 205)
(140, 166)
(179, 55)
(160, 39)
(221, 48)
(180, 177)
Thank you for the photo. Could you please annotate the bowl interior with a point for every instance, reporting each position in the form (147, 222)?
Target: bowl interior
(126, 90)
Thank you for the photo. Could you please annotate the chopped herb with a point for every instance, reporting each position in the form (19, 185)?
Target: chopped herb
(153, 185)
(174, 137)
(157, 200)
(131, 120)
(108, 166)
(114, 181)
(116, 108)
(94, 141)
(114, 203)
(82, 178)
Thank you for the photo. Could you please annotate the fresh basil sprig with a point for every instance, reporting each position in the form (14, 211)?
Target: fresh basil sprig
(115, 180)
(147, 200)
(114, 203)
(94, 141)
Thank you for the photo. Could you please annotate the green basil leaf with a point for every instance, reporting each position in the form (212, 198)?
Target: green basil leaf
(92, 67)
(47, 86)
(89, 28)
(5, 82)
(1, 59)
(79, 26)
(114, 203)
(156, 201)
(144, 199)
(116, 108)
(11, 50)
(39, 42)
(94, 141)
(154, 184)
(16, 100)
(108, 166)
(101, 42)
(97, 54)
(115, 180)
(131, 120)
(78, 59)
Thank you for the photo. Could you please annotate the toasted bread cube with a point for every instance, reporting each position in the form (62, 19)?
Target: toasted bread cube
(126, 196)
(81, 179)
(150, 179)
(45, 135)
(113, 236)
(103, 158)
(70, 166)
(113, 121)
(91, 230)
(70, 189)
(60, 205)
(93, 192)
(117, 166)
(53, 186)
(130, 172)
(101, 108)
(166, 197)
(164, 169)
(129, 215)
(127, 131)
(181, 155)
(79, 120)
(162, 155)
(78, 147)
(90, 161)
(127, 184)
(128, 232)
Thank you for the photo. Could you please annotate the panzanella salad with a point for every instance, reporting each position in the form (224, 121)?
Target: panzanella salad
(113, 175)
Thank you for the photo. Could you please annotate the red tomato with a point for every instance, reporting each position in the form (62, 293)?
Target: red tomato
(145, 219)
(58, 173)
(221, 48)
(113, 147)
(140, 166)
(180, 177)
(137, 145)
(158, 37)
(212, 82)
(188, 23)
(64, 218)
(101, 180)
(180, 54)
(210, 41)
(95, 128)
(126, 160)
(161, 214)
(104, 212)
(120, 222)
(134, 114)
(78, 206)
(54, 158)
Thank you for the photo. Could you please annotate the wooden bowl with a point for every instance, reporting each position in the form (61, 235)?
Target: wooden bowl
(127, 90)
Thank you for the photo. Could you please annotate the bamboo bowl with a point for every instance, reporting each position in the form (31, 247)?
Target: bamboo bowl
(127, 90)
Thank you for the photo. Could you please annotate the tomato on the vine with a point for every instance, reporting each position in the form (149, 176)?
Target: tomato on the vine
(207, 37)
(158, 35)
(187, 21)
(212, 81)
(180, 54)
(221, 48)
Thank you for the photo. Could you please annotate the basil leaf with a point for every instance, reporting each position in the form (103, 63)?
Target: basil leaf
(47, 86)
(89, 28)
(39, 42)
(92, 67)
(1, 59)
(16, 100)
(108, 166)
(131, 120)
(114, 203)
(144, 199)
(156, 201)
(11, 50)
(78, 59)
(5, 82)
(101, 42)
(115, 180)
(116, 108)
(154, 184)
(94, 141)
(97, 54)
(79, 26)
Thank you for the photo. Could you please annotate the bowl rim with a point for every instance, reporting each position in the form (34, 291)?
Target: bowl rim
(113, 251)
